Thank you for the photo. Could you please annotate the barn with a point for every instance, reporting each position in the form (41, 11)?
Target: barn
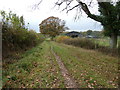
(73, 34)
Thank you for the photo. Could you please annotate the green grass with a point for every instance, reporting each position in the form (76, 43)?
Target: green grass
(104, 41)
(89, 68)
(37, 69)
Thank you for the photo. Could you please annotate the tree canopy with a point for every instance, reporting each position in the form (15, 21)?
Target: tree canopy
(52, 26)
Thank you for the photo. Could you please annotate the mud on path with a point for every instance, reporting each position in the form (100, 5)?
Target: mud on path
(69, 81)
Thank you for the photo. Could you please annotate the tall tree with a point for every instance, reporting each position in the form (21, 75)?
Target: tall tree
(52, 26)
(109, 15)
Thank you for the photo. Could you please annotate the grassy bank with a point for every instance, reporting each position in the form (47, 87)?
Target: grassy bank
(37, 69)
(90, 44)
(91, 69)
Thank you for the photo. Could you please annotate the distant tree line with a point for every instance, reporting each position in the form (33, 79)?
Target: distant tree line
(93, 33)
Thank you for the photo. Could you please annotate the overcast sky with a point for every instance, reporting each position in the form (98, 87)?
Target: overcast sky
(34, 17)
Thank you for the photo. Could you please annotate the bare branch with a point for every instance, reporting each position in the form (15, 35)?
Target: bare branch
(36, 5)
(86, 10)
(90, 3)
(40, 2)
(78, 13)
(59, 3)
(83, 6)
(67, 5)
(73, 8)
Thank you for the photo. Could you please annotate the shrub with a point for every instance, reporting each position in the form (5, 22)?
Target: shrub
(15, 36)
(80, 42)
(61, 38)
(19, 40)
(90, 44)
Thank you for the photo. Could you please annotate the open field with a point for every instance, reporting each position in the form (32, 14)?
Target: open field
(39, 69)
(105, 41)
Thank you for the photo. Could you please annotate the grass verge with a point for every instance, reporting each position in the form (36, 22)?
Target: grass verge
(37, 69)
(90, 69)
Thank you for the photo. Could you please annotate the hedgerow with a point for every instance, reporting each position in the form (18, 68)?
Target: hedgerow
(15, 34)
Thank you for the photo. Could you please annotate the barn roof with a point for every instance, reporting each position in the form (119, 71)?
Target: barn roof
(73, 32)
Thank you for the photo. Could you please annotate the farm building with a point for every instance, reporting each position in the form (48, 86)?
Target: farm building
(74, 34)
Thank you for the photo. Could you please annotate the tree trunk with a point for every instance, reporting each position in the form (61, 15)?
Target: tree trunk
(113, 41)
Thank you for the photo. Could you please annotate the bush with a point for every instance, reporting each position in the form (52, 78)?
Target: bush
(89, 44)
(61, 38)
(80, 42)
(15, 36)
(19, 40)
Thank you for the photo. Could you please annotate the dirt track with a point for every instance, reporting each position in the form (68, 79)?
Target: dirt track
(69, 82)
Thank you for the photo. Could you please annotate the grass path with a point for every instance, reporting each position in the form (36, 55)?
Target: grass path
(70, 82)
(39, 69)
